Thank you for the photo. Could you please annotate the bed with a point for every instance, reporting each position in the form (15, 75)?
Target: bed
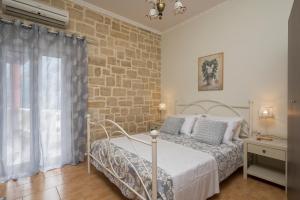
(164, 166)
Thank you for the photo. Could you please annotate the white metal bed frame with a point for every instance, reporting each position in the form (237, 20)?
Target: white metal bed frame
(247, 130)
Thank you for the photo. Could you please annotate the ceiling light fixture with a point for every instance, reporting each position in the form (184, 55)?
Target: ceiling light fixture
(158, 7)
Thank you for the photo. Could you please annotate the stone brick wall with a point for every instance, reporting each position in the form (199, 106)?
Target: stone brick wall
(124, 67)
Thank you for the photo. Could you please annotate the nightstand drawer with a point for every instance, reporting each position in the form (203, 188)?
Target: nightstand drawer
(268, 152)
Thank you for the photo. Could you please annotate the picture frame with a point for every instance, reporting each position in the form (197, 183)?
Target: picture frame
(210, 72)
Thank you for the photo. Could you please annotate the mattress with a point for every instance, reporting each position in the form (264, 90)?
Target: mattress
(187, 168)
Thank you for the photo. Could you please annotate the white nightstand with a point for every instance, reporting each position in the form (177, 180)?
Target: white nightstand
(273, 150)
(155, 125)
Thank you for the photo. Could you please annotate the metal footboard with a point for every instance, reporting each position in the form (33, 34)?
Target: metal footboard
(110, 169)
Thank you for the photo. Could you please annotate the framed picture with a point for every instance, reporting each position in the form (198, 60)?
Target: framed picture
(210, 72)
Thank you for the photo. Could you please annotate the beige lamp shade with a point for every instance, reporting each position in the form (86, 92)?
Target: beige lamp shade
(162, 106)
(266, 112)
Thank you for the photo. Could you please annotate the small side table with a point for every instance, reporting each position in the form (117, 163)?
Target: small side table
(276, 149)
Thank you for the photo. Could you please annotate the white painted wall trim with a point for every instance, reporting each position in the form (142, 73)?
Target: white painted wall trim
(114, 15)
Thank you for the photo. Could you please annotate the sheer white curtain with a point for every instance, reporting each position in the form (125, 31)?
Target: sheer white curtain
(43, 94)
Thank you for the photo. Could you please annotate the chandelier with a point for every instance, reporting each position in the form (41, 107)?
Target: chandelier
(158, 7)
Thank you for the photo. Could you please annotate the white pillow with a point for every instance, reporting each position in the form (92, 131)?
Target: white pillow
(233, 126)
(236, 136)
(189, 121)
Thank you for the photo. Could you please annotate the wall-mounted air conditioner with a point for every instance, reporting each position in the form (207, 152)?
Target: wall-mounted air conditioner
(36, 11)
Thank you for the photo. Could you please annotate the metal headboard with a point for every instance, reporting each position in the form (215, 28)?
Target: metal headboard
(207, 106)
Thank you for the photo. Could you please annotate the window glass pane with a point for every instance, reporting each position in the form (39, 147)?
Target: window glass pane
(18, 117)
(50, 109)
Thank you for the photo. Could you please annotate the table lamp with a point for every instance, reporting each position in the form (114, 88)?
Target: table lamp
(162, 107)
(266, 113)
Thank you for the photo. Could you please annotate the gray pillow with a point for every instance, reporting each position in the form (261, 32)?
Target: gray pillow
(172, 125)
(209, 131)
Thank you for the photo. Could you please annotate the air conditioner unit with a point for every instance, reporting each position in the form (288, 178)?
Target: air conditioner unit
(36, 11)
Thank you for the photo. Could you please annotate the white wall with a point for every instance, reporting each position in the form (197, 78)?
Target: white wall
(253, 34)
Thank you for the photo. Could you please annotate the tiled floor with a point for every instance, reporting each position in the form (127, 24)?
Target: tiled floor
(236, 188)
(73, 183)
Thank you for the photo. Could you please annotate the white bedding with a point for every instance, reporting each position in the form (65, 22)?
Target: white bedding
(194, 173)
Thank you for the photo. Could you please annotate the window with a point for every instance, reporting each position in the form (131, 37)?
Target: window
(18, 105)
(50, 109)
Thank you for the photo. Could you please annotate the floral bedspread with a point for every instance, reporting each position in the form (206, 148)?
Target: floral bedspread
(228, 157)
(127, 173)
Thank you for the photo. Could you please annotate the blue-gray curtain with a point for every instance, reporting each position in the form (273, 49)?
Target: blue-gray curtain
(43, 100)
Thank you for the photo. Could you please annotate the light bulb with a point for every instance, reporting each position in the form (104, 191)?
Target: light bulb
(162, 106)
(178, 7)
(153, 13)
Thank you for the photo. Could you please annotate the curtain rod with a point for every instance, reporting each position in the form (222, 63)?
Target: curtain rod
(8, 21)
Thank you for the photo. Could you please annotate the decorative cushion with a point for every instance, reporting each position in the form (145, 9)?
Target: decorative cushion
(209, 131)
(172, 125)
(233, 124)
(189, 121)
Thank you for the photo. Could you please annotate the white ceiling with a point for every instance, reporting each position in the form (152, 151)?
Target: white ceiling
(135, 10)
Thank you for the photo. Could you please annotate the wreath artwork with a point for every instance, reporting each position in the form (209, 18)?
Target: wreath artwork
(210, 72)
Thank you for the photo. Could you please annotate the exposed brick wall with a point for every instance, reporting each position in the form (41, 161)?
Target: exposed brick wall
(124, 67)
